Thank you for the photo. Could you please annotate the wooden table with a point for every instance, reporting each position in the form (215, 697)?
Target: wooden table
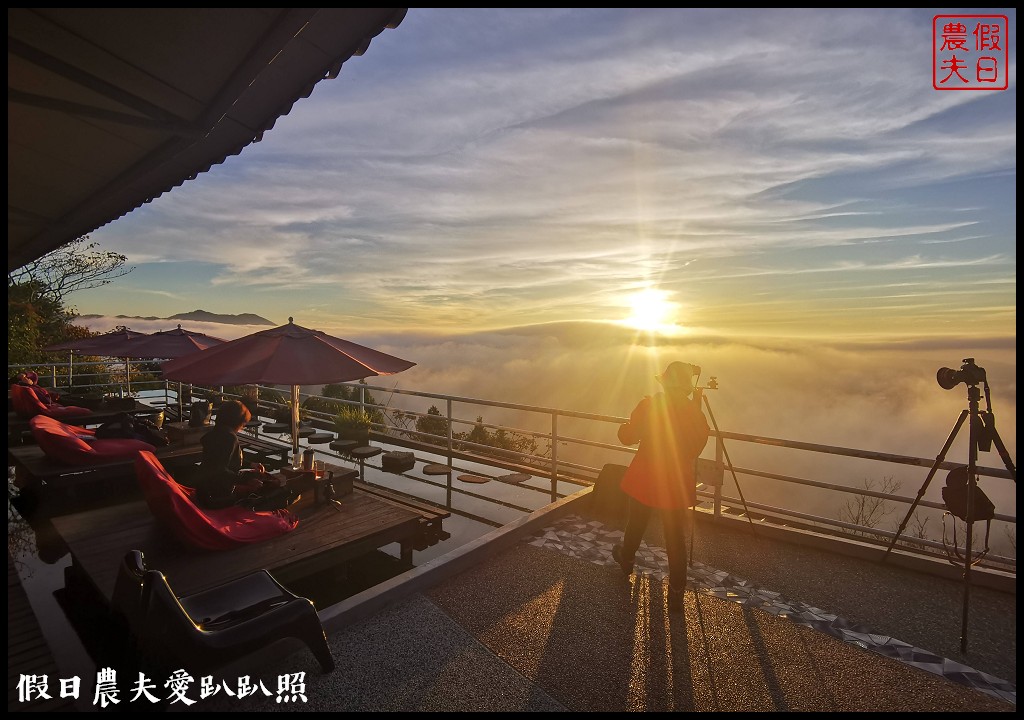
(328, 535)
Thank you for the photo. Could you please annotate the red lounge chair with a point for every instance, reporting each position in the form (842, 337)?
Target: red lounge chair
(27, 405)
(79, 446)
(172, 504)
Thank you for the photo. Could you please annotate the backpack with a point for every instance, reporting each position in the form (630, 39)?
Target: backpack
(954, 494)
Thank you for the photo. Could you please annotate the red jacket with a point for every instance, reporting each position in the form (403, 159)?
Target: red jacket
(672, 432)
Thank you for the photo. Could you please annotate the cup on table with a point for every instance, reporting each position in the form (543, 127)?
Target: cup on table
(318, 469)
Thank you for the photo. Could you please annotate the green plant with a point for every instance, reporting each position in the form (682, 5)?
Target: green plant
(433, 423)
(352, 423)
(283, 414)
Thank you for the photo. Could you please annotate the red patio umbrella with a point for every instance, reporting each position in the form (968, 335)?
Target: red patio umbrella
(169, 344)
(127, 344)
(286, 355)
(111, 344)
(116, 343)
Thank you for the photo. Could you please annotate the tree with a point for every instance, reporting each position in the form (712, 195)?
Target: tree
(479, 434)
(867, 510)
(349, 393)
(36, 292)
(71, 267)
(500, 438)
(432, 424)
(35, 321)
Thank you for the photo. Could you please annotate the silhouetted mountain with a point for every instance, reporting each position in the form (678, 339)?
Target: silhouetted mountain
(200, 316)
(203, 316)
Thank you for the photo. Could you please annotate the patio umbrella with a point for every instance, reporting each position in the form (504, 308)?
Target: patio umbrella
(286, 355)
(111, 344)
(116, 343)
(170, 344)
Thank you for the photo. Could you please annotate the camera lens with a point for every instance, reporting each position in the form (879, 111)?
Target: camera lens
(948, 378)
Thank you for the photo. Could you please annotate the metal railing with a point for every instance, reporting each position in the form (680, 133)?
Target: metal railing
(568, 449)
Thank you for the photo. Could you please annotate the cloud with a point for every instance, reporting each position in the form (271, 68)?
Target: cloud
(878, 397)
(505, 173)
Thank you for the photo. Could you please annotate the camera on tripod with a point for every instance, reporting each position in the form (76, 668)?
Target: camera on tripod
(962, 496)
(969, 374)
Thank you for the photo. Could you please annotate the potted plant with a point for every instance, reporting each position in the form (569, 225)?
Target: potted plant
(283, 413)
(352, 423)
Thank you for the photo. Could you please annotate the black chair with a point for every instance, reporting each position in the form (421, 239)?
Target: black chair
(208, 629)
(127, 599)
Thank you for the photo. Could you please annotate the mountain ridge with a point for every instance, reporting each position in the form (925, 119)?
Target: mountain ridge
(200, 316)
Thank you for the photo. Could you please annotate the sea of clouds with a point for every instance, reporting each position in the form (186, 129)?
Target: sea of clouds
(877, 396)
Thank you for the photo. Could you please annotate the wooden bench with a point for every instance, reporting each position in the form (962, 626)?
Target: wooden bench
(431, 516)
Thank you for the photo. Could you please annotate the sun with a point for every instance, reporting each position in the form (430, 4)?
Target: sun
(651, 311)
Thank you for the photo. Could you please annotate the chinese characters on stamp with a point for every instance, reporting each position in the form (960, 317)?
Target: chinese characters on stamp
(970, 52)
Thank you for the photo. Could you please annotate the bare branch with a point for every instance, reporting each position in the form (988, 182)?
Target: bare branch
(75, 266)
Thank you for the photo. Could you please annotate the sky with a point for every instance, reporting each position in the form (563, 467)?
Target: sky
(546, 206)
(784, 173)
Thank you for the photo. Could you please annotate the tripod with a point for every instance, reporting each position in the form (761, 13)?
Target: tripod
(713, 385)
(701, 396)
(982, 435)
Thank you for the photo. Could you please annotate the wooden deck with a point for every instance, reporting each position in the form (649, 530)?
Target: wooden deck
(328, 536)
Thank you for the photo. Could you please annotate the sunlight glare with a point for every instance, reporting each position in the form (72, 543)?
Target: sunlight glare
(652, 311)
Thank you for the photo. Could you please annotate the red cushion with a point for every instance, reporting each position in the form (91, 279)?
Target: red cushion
(79, 446)
(173, 507)
(27, 404)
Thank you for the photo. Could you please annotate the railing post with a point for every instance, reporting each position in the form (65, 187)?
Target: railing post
(450, 448)
(718, 488)
(554, 456)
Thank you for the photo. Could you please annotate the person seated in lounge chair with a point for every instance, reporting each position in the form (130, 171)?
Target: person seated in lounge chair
(47, 397)
(28, 400)
(30, 380)
(221, 480)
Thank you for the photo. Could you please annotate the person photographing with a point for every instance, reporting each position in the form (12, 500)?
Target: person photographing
(671, 430)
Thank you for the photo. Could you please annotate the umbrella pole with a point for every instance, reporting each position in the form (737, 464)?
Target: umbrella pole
(296, 459)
